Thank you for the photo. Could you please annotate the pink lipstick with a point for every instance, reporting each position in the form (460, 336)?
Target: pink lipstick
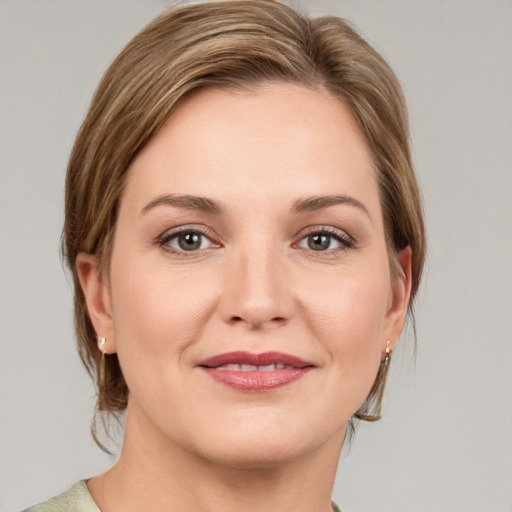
(255, 372)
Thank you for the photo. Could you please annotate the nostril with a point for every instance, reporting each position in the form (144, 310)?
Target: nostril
(257, 323)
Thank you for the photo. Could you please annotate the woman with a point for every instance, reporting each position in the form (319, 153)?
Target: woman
(244, 230)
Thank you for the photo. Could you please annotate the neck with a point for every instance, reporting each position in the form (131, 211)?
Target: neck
(153, 473)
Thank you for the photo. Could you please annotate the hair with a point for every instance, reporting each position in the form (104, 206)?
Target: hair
(237, 44)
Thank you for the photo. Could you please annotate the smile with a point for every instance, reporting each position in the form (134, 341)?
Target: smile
(253, 368)
(255, 372)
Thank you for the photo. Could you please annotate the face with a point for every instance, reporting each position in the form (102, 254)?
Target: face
(249, 297)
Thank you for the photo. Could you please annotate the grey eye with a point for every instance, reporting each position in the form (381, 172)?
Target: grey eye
(324, 241)
(189, 241)
(320, 242)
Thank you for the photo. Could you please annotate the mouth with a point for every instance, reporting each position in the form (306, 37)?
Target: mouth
(255, 372)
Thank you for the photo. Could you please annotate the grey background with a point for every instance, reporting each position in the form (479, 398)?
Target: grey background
(445, 443)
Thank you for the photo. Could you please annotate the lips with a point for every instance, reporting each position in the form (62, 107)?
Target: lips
(255, 372)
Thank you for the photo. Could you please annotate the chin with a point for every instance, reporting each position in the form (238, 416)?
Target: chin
(263, 448)
(253, 457)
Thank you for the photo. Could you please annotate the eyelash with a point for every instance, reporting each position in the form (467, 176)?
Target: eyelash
(346, 241)
(164, 240)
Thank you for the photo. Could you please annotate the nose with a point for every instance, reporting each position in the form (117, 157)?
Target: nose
(258, 290)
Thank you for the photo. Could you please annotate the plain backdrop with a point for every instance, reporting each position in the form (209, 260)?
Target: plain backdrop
(445, 443)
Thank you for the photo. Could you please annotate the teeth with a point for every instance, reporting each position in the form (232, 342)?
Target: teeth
(235, 367)
(251, 367)
(267, 368)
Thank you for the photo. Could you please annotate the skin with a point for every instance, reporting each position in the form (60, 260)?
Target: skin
(254, 284)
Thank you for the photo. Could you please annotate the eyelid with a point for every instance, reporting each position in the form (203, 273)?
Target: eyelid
(345, 239)
(163, 239)
(341, 235)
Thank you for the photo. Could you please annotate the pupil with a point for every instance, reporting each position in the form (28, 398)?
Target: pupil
(189, 241)
(319, 242)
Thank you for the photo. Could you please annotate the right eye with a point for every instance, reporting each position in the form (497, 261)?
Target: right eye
(189, 240)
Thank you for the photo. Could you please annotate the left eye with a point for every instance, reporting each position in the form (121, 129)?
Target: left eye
(187, 241)
(321, 242)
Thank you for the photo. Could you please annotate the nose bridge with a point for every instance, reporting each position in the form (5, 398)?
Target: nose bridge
(257, 291)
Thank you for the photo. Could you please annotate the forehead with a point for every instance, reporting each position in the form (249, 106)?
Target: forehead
(275, 141)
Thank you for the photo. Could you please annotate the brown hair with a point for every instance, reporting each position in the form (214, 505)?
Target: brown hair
(231, 44)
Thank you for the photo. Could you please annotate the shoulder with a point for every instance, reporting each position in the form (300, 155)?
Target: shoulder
(76, 499)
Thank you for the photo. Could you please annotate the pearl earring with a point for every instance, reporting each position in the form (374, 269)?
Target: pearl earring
(101, 343)
(387, 352)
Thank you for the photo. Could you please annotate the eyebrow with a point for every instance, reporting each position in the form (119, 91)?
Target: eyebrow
(204, 204)
(313, 203)
(187, 202)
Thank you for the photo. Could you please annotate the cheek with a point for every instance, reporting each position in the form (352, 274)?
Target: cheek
(351, 304)
(157, 313)
(348, 317)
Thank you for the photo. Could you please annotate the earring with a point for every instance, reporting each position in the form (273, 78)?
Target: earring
(101, 343)
(101, 367)
(387, 353)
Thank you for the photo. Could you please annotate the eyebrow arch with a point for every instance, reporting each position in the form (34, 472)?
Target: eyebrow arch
(184, 201)
(313, 203)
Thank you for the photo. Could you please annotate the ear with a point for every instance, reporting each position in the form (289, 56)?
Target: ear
(400, 296)
(97, 298)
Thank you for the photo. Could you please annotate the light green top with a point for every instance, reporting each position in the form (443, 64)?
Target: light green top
(78, 499)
